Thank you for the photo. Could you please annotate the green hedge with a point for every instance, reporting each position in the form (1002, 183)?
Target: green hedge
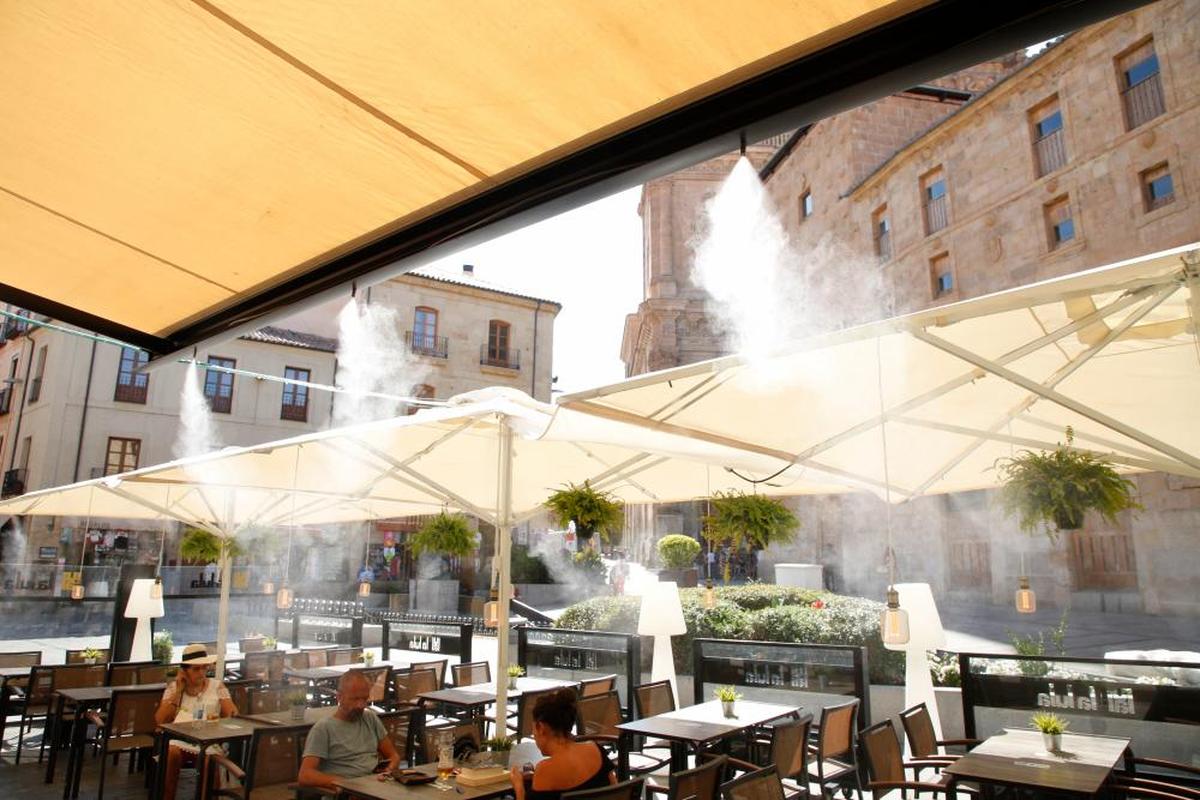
(756, 611)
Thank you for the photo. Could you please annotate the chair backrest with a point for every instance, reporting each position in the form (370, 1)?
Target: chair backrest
(763, 784)
(601, 685)
(339, 656)
(439, 667)
(409, 684)
(296, 660)
(404, 729)
(252, 644)
(472, 672)
(525, 705)
(653, 699)
(317, 657)
(465, 736)
(378, 678)
(599, 714)
(881, 746)
(789, 747)
(25, 658)
(41, 686)
(274, 756)
(257, 665)
(629, 790)
(837, 729)
(76, 656)
(131, 717)
(239, 693)
(155, 673)
(125, 673)
(266, 700)
(698, 783)
(77, 676)
(918, 727)
(274, 666)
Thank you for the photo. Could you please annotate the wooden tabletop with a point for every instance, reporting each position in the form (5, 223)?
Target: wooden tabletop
(480, 694)
(1017, 757)
(311, 716)
(705, 722)
(370, 786)
(329, 673)
(204, 732)
(92, 694)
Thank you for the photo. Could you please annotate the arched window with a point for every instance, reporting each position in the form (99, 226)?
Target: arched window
(422, 391)
(497, 347)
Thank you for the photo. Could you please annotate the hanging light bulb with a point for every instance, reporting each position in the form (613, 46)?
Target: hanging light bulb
(710, 594)
(268, 586)
(283, 600)
(77, 590)
(894, 624)
(1026, 599)
(156, 589)
(364, 589)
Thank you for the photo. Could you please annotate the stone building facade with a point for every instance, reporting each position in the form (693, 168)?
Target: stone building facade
(1022, 169)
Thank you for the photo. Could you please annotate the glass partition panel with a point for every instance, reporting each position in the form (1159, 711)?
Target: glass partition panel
(581, 655)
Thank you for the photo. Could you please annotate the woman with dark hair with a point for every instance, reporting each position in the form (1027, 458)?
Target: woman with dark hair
(569, 765)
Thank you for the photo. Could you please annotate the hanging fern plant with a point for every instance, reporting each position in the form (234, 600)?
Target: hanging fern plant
(206, 547)
(593, 510)
(1055, 489)
(444, 535)
(749, 520)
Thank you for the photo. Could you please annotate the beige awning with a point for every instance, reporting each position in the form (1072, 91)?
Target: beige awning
(1112, 352)
(174, 171)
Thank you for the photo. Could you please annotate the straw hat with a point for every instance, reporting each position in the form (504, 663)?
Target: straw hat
(197, 654)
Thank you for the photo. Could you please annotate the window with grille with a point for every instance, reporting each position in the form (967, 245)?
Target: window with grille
(1141, 85)
(218, 385)
(122, 455)
(1060, 224)
(1158, 188)
(131, 384)
(882, 232)
(941, 275)
(295, 397)
(933, 198)
(1049, 145)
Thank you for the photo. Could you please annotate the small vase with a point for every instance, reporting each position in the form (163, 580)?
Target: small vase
(727, 708)
(298, 713)
(1052, 741)
(91, 662)
(512, 682)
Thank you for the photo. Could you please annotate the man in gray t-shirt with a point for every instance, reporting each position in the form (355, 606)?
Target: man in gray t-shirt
(348, 744)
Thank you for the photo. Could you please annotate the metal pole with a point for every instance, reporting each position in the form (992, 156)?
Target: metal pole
(503, 553)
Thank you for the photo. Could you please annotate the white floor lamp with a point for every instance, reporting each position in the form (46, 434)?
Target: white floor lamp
(142, 606)
(925, 634)
(661, 616)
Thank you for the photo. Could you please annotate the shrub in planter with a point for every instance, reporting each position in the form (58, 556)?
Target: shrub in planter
(162, 648)
(678, 555)
(753, 596)
(528, 568)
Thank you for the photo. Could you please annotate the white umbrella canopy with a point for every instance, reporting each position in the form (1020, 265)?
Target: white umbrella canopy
(1112, 352)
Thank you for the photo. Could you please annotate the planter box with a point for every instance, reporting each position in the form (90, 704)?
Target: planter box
(684, 578)
(806, 576)
(434, 596)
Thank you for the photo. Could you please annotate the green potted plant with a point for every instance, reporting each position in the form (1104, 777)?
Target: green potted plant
(447, 535)
(270, 643)
(593, 511)
(748, 520)
(297, 700)
(1052, 727)
(1055, 489)
(91, 655)
(514, 672)
(204, 547)
(367, 657)
(728, 696)
(162, 647)
(678, 555)
(500, 747)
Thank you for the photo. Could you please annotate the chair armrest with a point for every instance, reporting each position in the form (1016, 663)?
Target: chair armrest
(734, 763)
(931, 761)
(607, 738)
(219, 759)
(1165, 764)
(1166, 791)
(1161, 786)
(958, 742)
(915, 785)
(654, 788)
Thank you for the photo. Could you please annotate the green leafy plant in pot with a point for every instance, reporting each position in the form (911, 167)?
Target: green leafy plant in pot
(499, 749)
(678, 555)
(205, 547)
(728, 696)
(162, 647)
(1055, 489)
(748, 521)
(91, 655)
(446, 535)
(1052, 727)
(594, 511)
(297, 699)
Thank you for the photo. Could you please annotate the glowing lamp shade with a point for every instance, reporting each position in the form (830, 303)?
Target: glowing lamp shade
(893, 625)
(1026, 599)
(268, 587)
(77, 591)
(661, 616)
(143, 607)
(364, 589)
(284, 598)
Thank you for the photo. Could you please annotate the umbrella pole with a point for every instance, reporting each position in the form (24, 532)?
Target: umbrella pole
(503, 553)
(226, 564)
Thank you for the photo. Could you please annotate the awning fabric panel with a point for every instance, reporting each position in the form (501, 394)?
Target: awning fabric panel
(208, 150)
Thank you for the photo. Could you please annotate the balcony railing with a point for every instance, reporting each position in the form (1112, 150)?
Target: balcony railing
(1143, 101)
(130, 393)
(883, 246)
(425, 345)
(1051, 151)
(296, 412)
(505, 359)
(5, 399)
(14, 483)
(936, 216)
(14, 327)
(221, 403)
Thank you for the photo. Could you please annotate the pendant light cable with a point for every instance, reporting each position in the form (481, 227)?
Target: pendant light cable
(887, 479)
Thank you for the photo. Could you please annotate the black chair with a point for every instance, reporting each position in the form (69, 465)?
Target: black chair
(629, 790)
(922, 738)
(127, 727)
(652, 699)
(273, 762)
(886, 764)
(405, 728)
(471, 673)
(834, 750)
(596, 720)
(1160, 783)
(789, 754)
(762, 784)
(699, 783)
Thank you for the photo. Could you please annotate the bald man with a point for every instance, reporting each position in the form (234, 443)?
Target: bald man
(349, 744)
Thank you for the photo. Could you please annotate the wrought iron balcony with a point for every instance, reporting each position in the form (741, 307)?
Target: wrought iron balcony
(14, 483)
(505, 358)
(1051, 152)
(936, 215)
(1143, 101)
(426, 345)
(296, 412)
(130, 393)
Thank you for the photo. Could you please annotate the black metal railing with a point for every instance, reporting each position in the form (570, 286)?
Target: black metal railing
(221, 403)
(1143, 101)
(35, 389)
(883, 245)
(297, 412)
(1051, 152)
(506, 358)
(130, 393)
(5, 399)
(936, 214)
(14, 483)
(426, 345)
(15, 327)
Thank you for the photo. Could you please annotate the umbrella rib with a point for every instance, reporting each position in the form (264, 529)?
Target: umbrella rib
(160, 509)
(1082, 409)
(1060, 375)
(1085, 436)
(616, 472)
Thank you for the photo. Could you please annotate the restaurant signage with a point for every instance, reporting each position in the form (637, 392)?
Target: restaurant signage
(445, 639)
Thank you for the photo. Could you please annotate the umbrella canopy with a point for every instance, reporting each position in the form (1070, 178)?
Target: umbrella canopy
(1112, 352)
(178, 171)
